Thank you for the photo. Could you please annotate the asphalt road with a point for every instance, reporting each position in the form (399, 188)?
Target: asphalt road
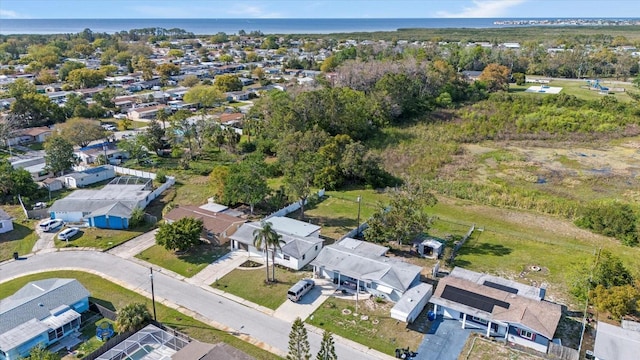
(269, 332)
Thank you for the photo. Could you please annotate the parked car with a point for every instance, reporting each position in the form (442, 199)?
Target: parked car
(68, 233)
(52, 224)
(297, 291)
(40, 205)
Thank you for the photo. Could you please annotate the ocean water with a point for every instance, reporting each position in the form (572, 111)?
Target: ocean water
(232, 26)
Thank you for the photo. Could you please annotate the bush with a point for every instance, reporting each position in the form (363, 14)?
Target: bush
(161, 177)
(247, 147)
(137, 217)
(611, 219)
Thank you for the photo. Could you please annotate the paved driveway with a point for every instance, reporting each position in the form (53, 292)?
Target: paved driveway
(444, 341)
(268, 332)
(312, 300)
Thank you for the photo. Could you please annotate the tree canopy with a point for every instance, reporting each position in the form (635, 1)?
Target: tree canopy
(180, 235)
(59, 155)
(80, 131)
(132, 317)
(298, 342)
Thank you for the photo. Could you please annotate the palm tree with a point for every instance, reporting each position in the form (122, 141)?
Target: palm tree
(261, 240)
(132, 317)
(274, 240)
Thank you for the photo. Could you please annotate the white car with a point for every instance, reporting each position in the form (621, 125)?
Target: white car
(52, 224)
(67, 234)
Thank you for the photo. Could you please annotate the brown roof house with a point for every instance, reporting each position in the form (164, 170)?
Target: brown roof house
(217, 226)
(503, 308)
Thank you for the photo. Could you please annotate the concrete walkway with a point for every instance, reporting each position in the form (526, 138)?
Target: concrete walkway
(219, 268)
(268, 332)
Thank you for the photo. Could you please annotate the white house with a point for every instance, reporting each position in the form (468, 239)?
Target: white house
(6, 224)
(363, 266)
(412, 303)
(301, 241)
(503, 308)
(616, 343)
(89, 176)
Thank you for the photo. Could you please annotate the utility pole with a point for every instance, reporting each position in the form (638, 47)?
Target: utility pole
(153, 295)
(358, 228)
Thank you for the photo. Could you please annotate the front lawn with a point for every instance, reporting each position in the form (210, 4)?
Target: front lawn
(115, 297)
(102, 238)
(250, 285)
(372, 326)
(21, 239)
(187, 264)
(480, 348)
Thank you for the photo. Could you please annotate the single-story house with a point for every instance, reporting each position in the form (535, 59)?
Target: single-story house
(6, 222)
(145, 113)
(302, 241)
(238, 95)
(616, 343)
(30, 135)
(471, 75)
(108, 208)
(89, 176)
(230, 119)
(363, 266)
(35, 166)
(90, 154)
(503, 308)
(52, 184)
(40, 314)
(197, 350)
(150, 342)
(217, 227)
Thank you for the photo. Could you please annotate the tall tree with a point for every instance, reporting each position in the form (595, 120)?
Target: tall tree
(132, 316)
(298, 342)
(81, 132)
(85, 78)
(153, 137)
(496, 76)
(59, 154)
(227, 82)
(262, 239)
(180, 235)
(327, 348)
(205, 95)
(14, 182)
(246, 183)
(404, 218)
(299, 177)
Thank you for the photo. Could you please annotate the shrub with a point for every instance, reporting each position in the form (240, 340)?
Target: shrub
(611, 219)
(161, 177)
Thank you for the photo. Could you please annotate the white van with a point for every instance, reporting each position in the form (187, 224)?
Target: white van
(297, 291)
(51, 225)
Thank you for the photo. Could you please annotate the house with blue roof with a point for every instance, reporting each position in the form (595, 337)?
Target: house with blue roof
(42, 313)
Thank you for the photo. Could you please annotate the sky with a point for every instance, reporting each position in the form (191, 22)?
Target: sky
(216, 9)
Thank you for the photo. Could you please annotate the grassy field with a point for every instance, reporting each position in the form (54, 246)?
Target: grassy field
(580, 89)
(512, 241)
(187, 264)
(21, 238)
(478, 348)
(102, 238)
(337, 213)
(250, 284)
(376, 329)
(115, 297)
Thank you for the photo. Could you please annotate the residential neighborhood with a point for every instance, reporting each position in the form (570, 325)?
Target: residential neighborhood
(171, 195)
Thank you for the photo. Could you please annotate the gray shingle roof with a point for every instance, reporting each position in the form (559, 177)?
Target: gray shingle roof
(358, 264)
(4, 215)
(91, 200)
(294, 246)
(36, 299)
(118, 209)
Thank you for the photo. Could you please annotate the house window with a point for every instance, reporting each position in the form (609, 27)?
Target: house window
(526, 334)
(1, 225)
(52, 335)
(287, 257)
(479, 320)
(303, 256)
(316, 247)
(59, 332)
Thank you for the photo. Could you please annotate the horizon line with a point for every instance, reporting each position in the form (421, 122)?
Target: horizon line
(335, 18)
